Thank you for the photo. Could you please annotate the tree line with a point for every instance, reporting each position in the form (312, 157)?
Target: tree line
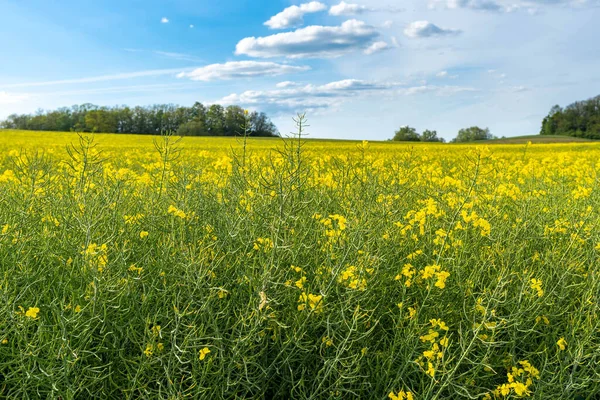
(472, 134)
(198, 120)
(580, 119)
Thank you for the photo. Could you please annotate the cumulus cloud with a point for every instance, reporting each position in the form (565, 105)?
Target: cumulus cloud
(377, 47)
(11, 98)
(348, 9)
(164, 20)
(293, 16)
(311, 42)
(318, 97)
(425, 29)
(240, 69)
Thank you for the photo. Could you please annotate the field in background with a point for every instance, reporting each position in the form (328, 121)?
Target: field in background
(206, 268)
(538, 139)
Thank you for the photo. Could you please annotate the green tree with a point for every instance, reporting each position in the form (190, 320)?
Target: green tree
(215, 120)
(473, 134)
(430, 136)
(234, 120)
(407, 134)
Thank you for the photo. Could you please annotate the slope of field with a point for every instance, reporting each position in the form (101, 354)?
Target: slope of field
(142, 267)
(538, 139)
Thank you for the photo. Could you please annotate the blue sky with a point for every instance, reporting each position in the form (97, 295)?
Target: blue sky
(360, 68)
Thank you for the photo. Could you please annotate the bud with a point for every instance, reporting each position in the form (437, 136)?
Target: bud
(245, 112)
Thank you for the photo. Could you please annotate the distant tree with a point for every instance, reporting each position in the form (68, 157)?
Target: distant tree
(580, 119)
(473, 134)
(192, 128)
(407, 134)
(234, 120)
(100, 121)
(261, 125)
(215, 120)
(197, 120)
(430, 136)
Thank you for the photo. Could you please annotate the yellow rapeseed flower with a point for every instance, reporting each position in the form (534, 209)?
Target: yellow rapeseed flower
(203, 353)
(32, 312)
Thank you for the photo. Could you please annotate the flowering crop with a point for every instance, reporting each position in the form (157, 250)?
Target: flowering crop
(218, 268)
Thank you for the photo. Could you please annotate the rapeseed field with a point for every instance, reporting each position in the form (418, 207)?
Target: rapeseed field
(133, 267)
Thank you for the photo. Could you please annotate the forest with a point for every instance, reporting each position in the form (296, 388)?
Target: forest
(198, 120)
(580, 119)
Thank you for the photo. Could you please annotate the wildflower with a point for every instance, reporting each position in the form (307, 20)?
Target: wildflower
(402, 395)
(312, 300)
(300, 282)
(143, 234)
(441, 279)
(203, 353)
(148, 351)
(562, 344)
(430, 369)
(536, 284)
(77, 309)
(32, 312)
(133, 268)
(176, 212)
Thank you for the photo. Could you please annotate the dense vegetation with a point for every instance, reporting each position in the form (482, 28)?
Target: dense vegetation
(197, 120)
(215, 268)
(410, 134)
(472, 134)
(580, 119)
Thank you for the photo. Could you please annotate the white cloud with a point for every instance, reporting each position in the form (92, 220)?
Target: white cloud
(102, 78)
(388, 24)
(320, 97)
(425, 29)
(344, 8)
(442, 74)
(312, 41)
(348, 9)
(293, 16)
(531, 6)
(483, 5)
(240, 69)
(164, 20)
(11, 98)
(286, 84)
(192, 26)
(377, 47)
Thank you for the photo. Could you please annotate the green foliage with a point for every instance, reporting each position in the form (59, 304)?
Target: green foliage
(187, 121)
(217, 268)
(473, 134)
(407, 134)
(580, 119)
(430, 136)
